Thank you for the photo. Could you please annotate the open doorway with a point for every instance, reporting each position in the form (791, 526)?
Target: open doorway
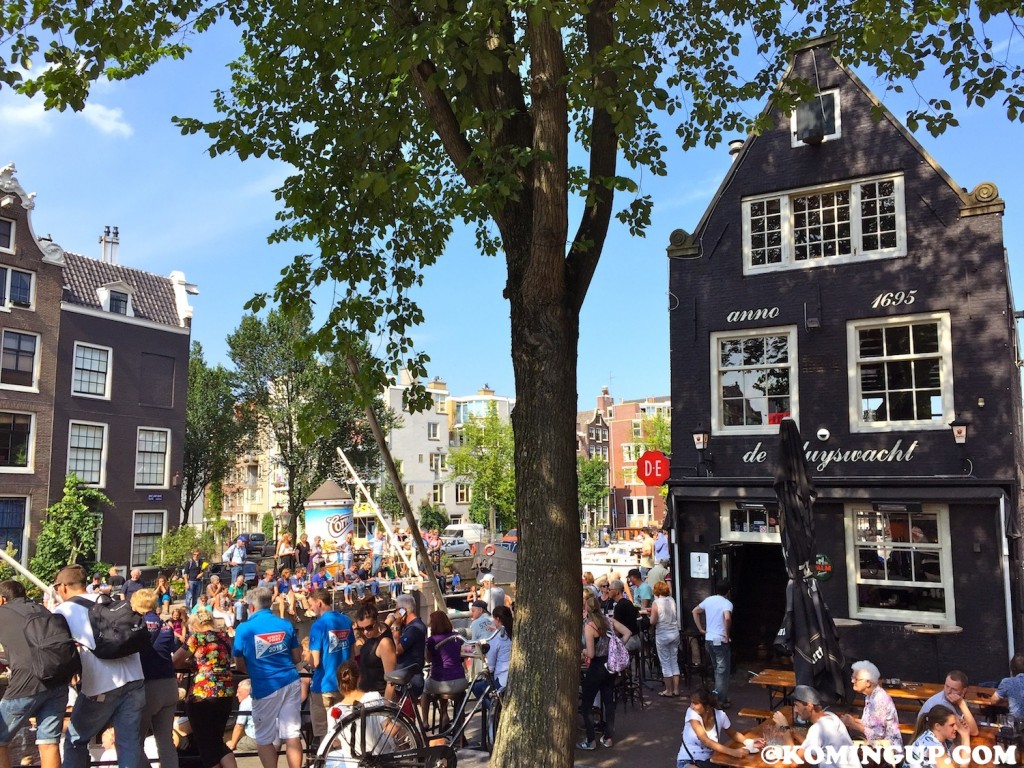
(758, 576)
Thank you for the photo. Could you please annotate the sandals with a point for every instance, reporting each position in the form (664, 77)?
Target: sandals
(667, 695)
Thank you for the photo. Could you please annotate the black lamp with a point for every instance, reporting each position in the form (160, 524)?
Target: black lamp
(959, 427)
(700, 442)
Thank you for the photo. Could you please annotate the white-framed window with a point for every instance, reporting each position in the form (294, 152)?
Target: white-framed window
(409, 491)
(638, 429)
(433, 431)
(825, 225)
(630, 451)
(900, 373)
(639, 511)
(16, 288)
(17, 448)
(629, 476)
(87, 452)
(19, 360)
(90, 376)
(463, 493)
(148, 526)
(119, 302)
(749, 521)
(438, 462)
(817, 120)
(437, 493)
(440, 403)
(754, 380)
(900, 561)
(152, 456)
(116, 298)
(6, 236)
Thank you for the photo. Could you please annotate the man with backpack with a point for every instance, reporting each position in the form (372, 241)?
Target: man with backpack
(112, 684)
(42, 658)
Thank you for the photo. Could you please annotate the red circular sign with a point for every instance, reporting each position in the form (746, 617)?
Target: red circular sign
(653, 467)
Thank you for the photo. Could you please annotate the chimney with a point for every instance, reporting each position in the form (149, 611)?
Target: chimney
(485, 390)
(734, 147)
(110, 243)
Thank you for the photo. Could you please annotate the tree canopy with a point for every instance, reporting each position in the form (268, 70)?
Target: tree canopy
(485, 462)
(404, 118)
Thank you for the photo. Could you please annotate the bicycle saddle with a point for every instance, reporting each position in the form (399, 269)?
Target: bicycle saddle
(400, 676)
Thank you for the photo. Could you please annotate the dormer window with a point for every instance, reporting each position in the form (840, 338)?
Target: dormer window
(116, 298)
(817, 120)
(119, 302)
(6, 235)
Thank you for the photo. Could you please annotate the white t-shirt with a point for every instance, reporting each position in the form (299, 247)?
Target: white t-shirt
(493, 596)
(829, 730)
(98, 675)
(341, 750)
(714, 608)
(697, 749)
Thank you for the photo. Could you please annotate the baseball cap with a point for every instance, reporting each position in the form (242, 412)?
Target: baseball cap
(807, 695)
(480, 604)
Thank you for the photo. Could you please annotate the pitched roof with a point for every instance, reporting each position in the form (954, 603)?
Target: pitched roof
(330, 491)
(152, 295)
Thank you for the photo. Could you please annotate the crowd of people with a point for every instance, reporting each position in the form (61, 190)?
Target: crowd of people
(196, 653)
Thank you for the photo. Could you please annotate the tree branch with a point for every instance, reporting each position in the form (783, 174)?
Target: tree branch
(593, 229)
(446, 124)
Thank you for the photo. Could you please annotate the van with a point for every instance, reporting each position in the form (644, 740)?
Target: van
(471, 532)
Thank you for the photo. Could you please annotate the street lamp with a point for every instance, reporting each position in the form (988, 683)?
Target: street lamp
(700, 442)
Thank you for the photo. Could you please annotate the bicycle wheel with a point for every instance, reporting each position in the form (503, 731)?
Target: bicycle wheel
(491, 723)
(376, 729)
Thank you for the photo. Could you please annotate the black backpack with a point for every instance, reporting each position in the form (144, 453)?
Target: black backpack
(55, 656)
(117, 630)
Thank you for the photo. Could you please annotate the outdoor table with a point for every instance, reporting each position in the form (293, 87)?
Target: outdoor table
(986, 737)
(781, 682)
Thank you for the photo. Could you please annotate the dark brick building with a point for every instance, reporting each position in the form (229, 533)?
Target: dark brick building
(95, 368)
(840, 277)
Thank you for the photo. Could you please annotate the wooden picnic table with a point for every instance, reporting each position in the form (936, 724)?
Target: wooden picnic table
(781, 682)
(986, 737)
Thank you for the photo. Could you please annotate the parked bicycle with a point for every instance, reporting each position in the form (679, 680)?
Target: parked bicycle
(385, 734)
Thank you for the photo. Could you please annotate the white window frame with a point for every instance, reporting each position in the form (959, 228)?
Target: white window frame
(854, 578)
(433, 430)
(631, 452)
(795, 143)
(132, 534)
(103, 294)
(725, 512)
(110, 369)
(14, 236)
(437, 493)
(629, 476)
(103, 451)
(857, 423)
(463, 493)
(29, 468)
(717, 428)
(5, 289)
(857, 255)
(36, 362)
(167, 457)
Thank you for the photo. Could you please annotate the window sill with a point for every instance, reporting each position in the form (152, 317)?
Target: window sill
(900, 426)
(19, 388)
(87, 396)
(17, 470)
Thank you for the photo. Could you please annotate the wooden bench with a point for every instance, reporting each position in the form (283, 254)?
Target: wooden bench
(755, 714)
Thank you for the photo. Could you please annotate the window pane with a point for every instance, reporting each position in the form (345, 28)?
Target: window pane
(731, 353)
(90, 375)
(85, 452)
(926, 338)
(12, 521)
(18, 362)
(21, 288)
(901, 406)
(15, 440)
(150, 458)
(899, 375)
(897, 340)
(119, 302)
(6, 233)
(871, 342)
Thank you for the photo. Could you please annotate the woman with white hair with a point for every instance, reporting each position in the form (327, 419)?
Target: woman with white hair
(879, 722)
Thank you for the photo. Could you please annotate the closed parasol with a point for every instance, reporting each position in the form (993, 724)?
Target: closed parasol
(808, 627)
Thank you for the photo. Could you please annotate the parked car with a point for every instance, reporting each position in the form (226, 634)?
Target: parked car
(254, 543)
(249, 570)
(512, 535)
(456, 546)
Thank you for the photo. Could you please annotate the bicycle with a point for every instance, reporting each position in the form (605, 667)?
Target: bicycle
(383, 734)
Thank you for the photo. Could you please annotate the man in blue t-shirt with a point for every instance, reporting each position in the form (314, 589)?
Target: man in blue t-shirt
(267, 650)
(330, 644)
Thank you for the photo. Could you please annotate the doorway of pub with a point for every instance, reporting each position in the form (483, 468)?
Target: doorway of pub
(757, 573)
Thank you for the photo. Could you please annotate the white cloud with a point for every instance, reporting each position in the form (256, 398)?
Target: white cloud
(107, 120)
(19, 112)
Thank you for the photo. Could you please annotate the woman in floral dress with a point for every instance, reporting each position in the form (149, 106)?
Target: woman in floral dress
(213, 689)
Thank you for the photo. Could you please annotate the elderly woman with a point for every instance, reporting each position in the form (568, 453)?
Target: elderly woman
(214, 589)
(879, 721)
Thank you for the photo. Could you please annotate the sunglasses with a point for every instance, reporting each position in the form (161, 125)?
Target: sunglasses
(364, 628)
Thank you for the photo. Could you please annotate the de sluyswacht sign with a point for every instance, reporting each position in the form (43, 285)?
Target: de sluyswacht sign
(821, 459)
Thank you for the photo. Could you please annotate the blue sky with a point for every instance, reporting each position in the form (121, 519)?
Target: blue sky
(122, 163)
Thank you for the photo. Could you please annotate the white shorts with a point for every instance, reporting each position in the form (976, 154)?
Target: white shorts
(278, 715)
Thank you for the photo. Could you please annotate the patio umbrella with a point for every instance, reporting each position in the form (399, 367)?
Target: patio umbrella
(817, 658)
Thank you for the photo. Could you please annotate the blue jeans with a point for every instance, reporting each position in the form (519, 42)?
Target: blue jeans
(721, 663)
(376, 564)
(123, 708)
(192, 595)
(48, 707)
